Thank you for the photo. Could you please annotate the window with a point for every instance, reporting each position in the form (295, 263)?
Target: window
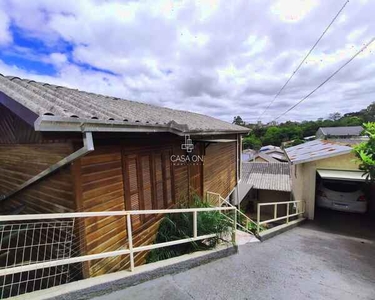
(133, 187)
(148, 182)
(342, 186)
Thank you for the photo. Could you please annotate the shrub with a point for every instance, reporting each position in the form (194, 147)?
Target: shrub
(180, 226)
(365, 152)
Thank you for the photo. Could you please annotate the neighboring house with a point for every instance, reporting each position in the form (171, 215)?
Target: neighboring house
(275, 152)
(269, 147)
(309, 138)
(262, 157)
(270, 182)
(65, 150)
(339, 132)
(329, 159)
(248, 154)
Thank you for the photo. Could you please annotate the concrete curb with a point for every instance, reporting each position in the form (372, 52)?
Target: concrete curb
(279, 229)
(101, 285)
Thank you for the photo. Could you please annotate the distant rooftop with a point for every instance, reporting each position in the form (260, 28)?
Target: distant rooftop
(315, 150)
(270, 147)
(340, 131)
(266, 157)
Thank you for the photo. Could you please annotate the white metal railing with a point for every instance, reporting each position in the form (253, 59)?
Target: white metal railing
(299, 206)
(14, 268)
(214, 199)
(129, 251)
(242, 220)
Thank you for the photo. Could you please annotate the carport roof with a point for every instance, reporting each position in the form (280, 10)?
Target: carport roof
(315, 150)
(267, 176)
(342, 175)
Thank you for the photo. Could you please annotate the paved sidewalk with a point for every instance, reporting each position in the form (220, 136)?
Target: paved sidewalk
(307, 262)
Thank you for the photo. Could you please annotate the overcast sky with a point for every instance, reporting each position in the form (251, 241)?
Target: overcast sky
(220, 58)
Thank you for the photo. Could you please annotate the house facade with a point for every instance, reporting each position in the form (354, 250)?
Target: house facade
(64, 150)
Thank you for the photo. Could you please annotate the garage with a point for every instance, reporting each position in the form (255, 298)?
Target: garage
(323, 165)
(341, 190)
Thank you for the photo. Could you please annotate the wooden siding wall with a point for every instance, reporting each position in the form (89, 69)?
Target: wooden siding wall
(18, 163)
(14, 130)
(118, 178)
(100, 177)
(220, 168)
(196, 173)
(181, 178)
(111, 178)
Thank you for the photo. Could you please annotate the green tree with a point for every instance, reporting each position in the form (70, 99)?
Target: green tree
(334, 116)
(252, 142)
(366, 153)
(272, 136)
(238, 121)
(369, 113)
(351, 121)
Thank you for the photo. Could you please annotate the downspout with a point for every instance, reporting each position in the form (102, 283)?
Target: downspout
(239, 154)
(88, 146)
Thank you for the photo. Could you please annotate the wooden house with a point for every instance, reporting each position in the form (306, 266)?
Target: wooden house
(65, 150)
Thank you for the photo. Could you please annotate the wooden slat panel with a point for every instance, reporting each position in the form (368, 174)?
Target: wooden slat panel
(220, 168)
(103, 190)
(159, 180)
(14, 130)
(181, 182)
(134, 194)
(20, 162)
(147, 186)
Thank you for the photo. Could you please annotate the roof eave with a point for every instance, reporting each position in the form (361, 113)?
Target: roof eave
(61, 124)
(297, 162)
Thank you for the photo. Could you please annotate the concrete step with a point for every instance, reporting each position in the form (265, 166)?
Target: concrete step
(243, 238)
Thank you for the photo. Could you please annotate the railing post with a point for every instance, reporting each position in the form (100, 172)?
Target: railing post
(258, 218)
(234, 226)
(275, 211)
(130, 239)
(287, 212)
(195, 223)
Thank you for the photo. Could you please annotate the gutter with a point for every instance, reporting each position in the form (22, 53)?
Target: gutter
(302, 161)
(60, 124)
(88, 146)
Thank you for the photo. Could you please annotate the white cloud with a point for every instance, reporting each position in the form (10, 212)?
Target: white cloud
(293, 10)
(58, 59)
(222, 58)
(5, 35)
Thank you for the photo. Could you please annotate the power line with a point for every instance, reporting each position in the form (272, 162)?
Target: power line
(300, 65)
(325, 81)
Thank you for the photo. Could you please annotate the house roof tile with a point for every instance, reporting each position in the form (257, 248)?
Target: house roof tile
(45, 99)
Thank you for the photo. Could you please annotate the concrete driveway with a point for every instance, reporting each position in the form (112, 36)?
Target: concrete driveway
(318, 260)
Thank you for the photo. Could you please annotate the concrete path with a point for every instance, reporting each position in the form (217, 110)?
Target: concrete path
(307, 262)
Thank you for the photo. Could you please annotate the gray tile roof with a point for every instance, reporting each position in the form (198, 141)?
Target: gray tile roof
(267, 176)
(315, 150)
(342, 131)
(350, 141)
(45, 99)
